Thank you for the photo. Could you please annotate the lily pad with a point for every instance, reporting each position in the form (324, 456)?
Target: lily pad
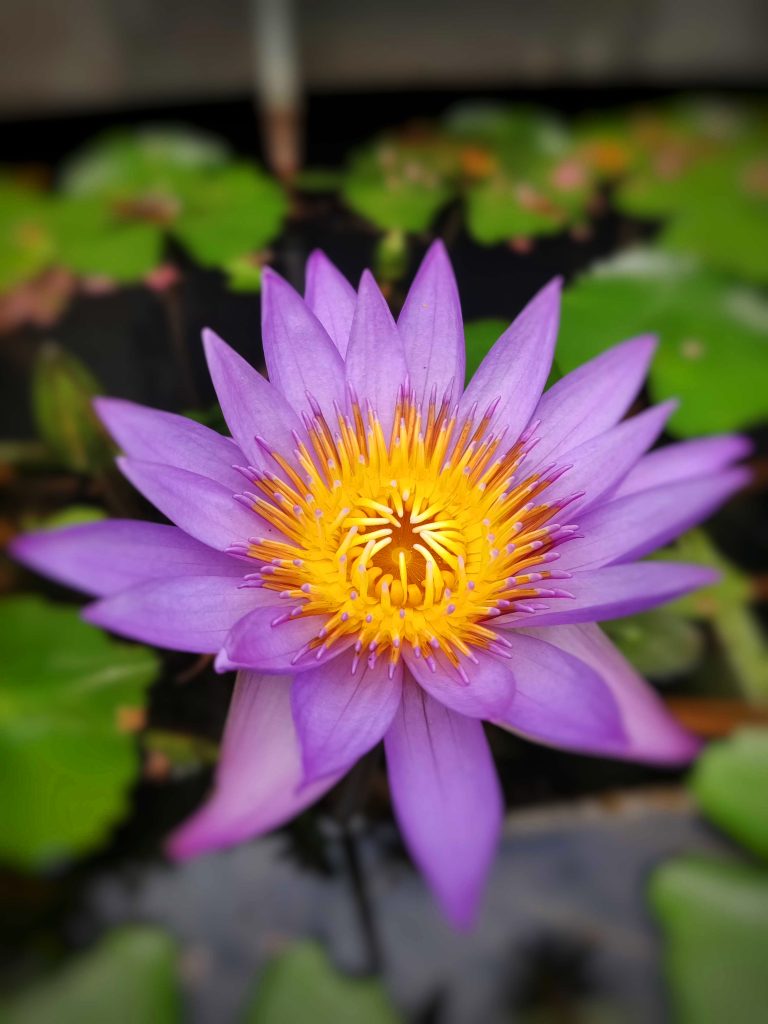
(479, 337)
(302, 985)
(730, 783)
(659, 644)
(130, 977)
(63, 390)
(713, 352)
(726, 605)
(399, 187)
(131, 190)
(26, 242)
(67, 758)
(715, 922)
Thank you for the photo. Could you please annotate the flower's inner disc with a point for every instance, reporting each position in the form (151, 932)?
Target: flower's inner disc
(417, 540)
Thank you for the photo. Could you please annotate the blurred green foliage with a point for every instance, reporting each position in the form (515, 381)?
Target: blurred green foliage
(63, 390)
(119, 200)
(730, 784)
(714, 913)
(715, 921)
(70, 699)
(128, 978)
(131, 977)
(713, 335)
(301, 984)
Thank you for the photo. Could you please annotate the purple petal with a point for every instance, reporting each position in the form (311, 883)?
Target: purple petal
(301, 359)
(264, 642)
(156, 436)
(628, 528)
(251, 406)
(331, 298)
(102, 558)
(592, 398)
(259, 774)
(598, 464)
(517, 367)
(446, 799)
(431, 328)
(616, 590)
(376, 366)
(684, 461)
(562, 702)
(487, 694)
(340, 716)
(652, 733)
(201, 507)
(185, 613)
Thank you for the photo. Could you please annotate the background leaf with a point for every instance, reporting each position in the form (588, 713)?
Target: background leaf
(129, 978)
(730, 783)
(713, 352)
(301, 985)
(67, 758)
(715, 922)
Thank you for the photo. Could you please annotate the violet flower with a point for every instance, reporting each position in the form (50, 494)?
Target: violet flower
(384, 554)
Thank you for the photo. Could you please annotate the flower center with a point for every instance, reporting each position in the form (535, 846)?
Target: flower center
(418, 539)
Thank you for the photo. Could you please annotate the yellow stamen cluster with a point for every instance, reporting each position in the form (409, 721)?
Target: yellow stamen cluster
(419, 538)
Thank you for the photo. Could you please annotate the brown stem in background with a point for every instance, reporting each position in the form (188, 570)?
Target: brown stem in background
(351, 797)
(174, 317)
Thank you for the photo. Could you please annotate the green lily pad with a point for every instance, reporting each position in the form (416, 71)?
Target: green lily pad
(479, 338)
(129, 978)
(141, 160)
(659, 644)
(726, 605)
(129, 190)
(302, 985)
(397, 187)
(26, 242)
(67, 760)
(713, 354)
(715, 922)
(730, 783)
(230, 211)
(63, 390)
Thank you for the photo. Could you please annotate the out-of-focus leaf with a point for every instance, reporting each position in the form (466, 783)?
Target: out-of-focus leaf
(72, 515)
(715, 922)
(726, 605)
(141, 160)
(26, 242)
(714, 335)
(730, 783)
(67, 758)
(479, 338)
(184, 754)
(318, 179)
(301, 985)
(243, 274)
(62, 395)
(230, 211)
(732, 588)
(129, 978)
(398, 188)
(390, 258)
(93, 240)
(659, 644)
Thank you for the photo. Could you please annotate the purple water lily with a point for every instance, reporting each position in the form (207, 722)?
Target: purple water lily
(384, 554)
